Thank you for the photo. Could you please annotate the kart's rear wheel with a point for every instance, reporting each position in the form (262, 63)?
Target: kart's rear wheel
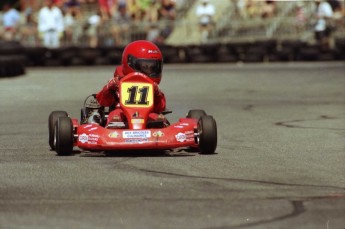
(53, 117)
(207, 134)
(195, 114)
(63, 136)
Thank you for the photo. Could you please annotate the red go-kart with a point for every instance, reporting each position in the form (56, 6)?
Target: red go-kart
(197, 130)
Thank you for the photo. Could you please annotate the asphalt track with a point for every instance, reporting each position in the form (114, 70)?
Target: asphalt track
(280, 160)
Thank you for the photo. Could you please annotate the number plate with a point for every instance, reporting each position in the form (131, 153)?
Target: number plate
(136, 94)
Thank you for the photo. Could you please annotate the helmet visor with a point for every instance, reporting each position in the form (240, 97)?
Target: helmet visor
(150, 67)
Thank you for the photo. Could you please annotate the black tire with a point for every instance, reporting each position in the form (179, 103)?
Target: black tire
(207, 134)
(64, 136)
(53, 117)
(195, 114)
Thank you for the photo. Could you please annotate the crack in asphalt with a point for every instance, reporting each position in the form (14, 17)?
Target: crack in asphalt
(298, 205)
(292, 123)
(240, 180)
(298, 209)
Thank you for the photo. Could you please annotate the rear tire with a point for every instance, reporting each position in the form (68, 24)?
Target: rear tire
(196, 114)
(64, 136)
(53, 117)
(207, 132)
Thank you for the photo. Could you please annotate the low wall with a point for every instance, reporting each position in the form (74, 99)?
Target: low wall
(14, 58)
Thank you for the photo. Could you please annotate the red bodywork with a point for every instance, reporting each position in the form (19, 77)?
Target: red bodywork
(136, 100)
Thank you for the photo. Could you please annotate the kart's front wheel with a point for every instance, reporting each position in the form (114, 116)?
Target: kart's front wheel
(53, 117)
(207, 134)
(63, 136)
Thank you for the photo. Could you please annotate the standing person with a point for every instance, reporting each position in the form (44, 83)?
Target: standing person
(300, 17)
(94, 22)
(205, 12)
(11, 19)
(121, 25)
(50, 24)
(322, 29)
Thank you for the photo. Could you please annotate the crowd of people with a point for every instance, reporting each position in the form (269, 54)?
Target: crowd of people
(56, 23)
(254, 9)
(322, 17)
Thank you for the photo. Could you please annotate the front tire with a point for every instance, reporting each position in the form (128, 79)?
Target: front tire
(207, 134)
(53, 117)
(64, 136)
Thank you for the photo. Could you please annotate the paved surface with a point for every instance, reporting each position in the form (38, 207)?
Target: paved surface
(280, 160)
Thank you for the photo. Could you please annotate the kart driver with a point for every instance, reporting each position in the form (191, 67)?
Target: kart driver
(138, 56)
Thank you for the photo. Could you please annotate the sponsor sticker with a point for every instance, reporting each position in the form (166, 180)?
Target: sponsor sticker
(158, 134)
(83, 138)
(180, 137)
(136, 134)
(91, 138)
(114, 135)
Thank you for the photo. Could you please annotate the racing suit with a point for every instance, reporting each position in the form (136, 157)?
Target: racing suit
(108, 96)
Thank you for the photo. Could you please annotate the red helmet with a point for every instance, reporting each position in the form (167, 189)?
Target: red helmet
(145, 57)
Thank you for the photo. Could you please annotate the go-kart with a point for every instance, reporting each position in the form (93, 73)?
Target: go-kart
(197, 130)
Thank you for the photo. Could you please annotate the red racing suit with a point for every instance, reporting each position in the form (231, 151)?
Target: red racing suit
(108, 97)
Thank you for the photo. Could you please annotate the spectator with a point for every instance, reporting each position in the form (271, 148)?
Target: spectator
(205, 13)
(300, 17)
(268, 9)
(241, 8)
(26, 6)
(69, 24)
(152, 14)
(167, 11)
(50, 24)
(144, 6)
(121, 22)
(134, 10)
(338, 12)
(253, 8)
(10, 20)
(322, 29)
(94, 22)
(72, 7)
(28, 30)
(106, 8)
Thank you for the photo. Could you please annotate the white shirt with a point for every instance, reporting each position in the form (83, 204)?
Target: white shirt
(11, 18)
(205, 12)
(50, 19)
(323, 11)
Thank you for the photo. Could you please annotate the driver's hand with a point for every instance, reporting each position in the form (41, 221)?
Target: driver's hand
(113, 84)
